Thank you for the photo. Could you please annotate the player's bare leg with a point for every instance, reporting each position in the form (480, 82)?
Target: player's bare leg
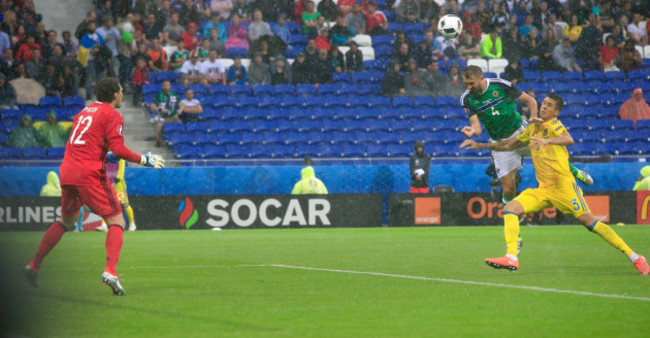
(610, 236)
(511, 230)
(508, 193)
(114, 240)
(50, 239)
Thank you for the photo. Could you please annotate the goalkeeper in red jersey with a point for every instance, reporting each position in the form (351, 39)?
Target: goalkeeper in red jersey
(95, 130)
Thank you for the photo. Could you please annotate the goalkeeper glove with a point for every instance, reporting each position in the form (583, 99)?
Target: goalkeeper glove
(152, 161)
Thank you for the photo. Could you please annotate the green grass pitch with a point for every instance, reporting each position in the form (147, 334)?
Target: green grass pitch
(382, 282)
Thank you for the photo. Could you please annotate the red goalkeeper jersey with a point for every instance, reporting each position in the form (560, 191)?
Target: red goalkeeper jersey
(95, 130)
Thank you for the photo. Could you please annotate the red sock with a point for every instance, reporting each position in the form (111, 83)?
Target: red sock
(52, 236)
(114, 240)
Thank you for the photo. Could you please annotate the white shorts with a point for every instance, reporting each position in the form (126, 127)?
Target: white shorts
(507, 161)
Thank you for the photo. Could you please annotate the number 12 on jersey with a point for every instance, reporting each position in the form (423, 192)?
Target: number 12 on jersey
(85, 121)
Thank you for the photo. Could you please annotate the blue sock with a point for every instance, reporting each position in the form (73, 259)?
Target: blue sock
(81, 219)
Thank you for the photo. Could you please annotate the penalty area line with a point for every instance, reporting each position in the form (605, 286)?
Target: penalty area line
(468, 282)
(167, 267)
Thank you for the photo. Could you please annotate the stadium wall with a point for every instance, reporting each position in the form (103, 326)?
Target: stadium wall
(351, 179)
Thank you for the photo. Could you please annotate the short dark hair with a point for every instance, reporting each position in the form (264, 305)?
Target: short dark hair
(472, 71)
(106, 89)
(559, 102)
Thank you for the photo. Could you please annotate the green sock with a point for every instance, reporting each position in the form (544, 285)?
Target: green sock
(573, 169)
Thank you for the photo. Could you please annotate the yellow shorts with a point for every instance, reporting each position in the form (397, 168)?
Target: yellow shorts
(566, 197)
(120, 191)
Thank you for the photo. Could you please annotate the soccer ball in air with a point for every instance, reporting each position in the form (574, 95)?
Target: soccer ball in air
(450, 26)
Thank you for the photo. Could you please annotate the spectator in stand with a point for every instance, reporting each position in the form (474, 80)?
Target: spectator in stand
(356, 19)
(354, 58)
(554, 25)
(190, 38)
(52, 132)
(180, 56)
(407, 6)
(589, 42)
(573, 30)
(213, 69)
(338, 60)
(141, 77)
(111, 35)
(514, 73)
(258, 71)
(376, 22)
(471, 27)
(341, 32)
(7, 94)
(34, 67)
(173, 31)
(520, 11)
(243, 9)
(51, 80)
(204, 49)
(192, 70)
(166, 103)
(564, 56)
(636, 32)
(280, 74)
(419, 164)
(151, 30)
(455, 85)
(469, 47)
(71, 46)
(141, 52)
(237, 34)
(105, 11)
(285, 8)
(217, 44)
(491, 47)
(309, 19)
(522, 107)
(545, 61)
(322, 41)
(70, 84)
(222, 7)
(630, 57)
(500, 16)
(619, 36)
(635, 108)
(300, 70)
(436, 81)
(345, 6)
(533, 46)
(7, 63)
(190, 108)
(608, 55)
(189, 13)
(25, 135)
(311, 53)
(643, 182)
(401, 38)
(157, 57)
(527, 26)
(323, 68)
(83, 26)
(415, 81)
(215, 23)
(281, 30)
(327, 8)
(258, 28)
(448, 48)
(392, 83)
(164, 13)
(47, 46)
(402, 57)
(422, 55)
(237, 73)
(24, 52)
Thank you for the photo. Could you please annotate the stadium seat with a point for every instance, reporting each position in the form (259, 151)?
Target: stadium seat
(402, 102)
(564, 89)
(284, 151)
(347, 89)
(643, 125)
(305, 90)
(370, 89)
(196, 128)
(301, 115)
(219, 90)
(481, 63)
(226, 139)
(383, 52)
(617, 76)
(75, 103)
(204, 139)
(373, 65)
(490, 75)
(573, 77)
(353, 150)
(55, 153)
(446, 101)
(50, 102)
(9, 125)
(379, 40)
(173, 128)
(257, 115)
(178, 88)
(35, 153)
(283, 89)
(638, 75)
(342, 138)
(551, 76)
(263, 90)
(532, 77)
(287, 102)
(10, 153)
(355, 126)
(200, 91)
(375, 151)
(623, 125)
(12, 114)
(223, 102)
(361, 78)
(239, 90)
(269, 102)
(497, 65)
(175, 140)
(214, 152)
(148, 90)
(423, 102)
(594, 76)
(357, 102)
(248, 102)
(171, 76)
(328, 89)
(341, 77)
(234, 52)
(296, 138)
(238, 151)
(186, 152)
(379, 102)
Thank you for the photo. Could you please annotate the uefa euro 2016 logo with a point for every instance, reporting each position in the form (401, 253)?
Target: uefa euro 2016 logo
(188, 215)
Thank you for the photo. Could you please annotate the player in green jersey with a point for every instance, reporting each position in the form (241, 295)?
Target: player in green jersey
(493, 102)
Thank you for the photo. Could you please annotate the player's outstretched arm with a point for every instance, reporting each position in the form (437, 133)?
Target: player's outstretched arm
(498, 146)
(531, 103)
(563, 139)
(474, 129)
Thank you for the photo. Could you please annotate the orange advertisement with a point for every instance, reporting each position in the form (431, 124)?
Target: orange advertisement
(599, 206)
(427, 210)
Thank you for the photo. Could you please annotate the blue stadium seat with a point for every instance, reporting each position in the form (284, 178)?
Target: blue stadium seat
(614, 100)
(402, 126)
(177, 88)
(375, 151)
(357, 102)
(581, 149)
(638, 75)
(366, 113)
(341, 77)
(373, 65)
(378, 40)
(391, 114)
(263, 90)
(35, 153)
(623, 125)
(301, 115)
(257, 115)
(393, 27)
(287, 126)
(175, 140)
(248, 102)
(643, 126)
(376, 76)
(573, 77)
(214, 152)
(253, 139)
(242, 127)
(196, 128)
(258, 151)
(490, 75)
(346, 89)
(383, 52)
(605, 88)
(9, 125)
(238, 151)
(446, 101)
(353, 150)
(150, 90)
(10, 153)
(284, 151)
(269, 102)
(74, 102)
(379, 102)
(171, 76)
(446, 126)
(342, 138)
(240, 90)
(186, 152)
(298, 39)
(361, 77)
(379, 126)
(204, 139)
(12, 114)
(227, 139)
(412, 114)
(574, 100)
(287, 102)
(283, 89)
(370, 89)
(296, 138)
(402, 102)
(355, 126)
(200, 91)
(234, 52)
(617, 76)
(552, 76)
(423, 102)
(594, 76)
(55, 153)
(224, 102)
(219, 90)
(446, 150)
(50, 102)
(305, 90)
(328, 89)
(413, 28)
(600, 125)
(173, 128)
(564, 89)
(531, 77)
(316, 102)
(265, 126)
(309, 126)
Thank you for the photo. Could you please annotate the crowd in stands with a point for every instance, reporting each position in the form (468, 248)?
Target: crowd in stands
(205, 42)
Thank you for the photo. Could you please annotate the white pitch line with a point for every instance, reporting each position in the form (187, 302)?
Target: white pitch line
(167, 267)
(459, 281)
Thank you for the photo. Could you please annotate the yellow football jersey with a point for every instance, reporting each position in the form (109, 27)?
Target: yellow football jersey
(551, 161)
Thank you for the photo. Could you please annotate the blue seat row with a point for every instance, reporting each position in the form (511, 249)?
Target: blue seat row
(10, 153)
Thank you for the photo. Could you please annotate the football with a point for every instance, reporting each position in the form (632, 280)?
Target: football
(450, 26)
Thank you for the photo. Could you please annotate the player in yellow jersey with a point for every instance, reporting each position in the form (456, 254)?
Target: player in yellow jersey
(115, 174)
(547, 140)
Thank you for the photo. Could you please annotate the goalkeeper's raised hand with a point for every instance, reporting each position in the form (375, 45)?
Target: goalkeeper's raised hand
(152, 161)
